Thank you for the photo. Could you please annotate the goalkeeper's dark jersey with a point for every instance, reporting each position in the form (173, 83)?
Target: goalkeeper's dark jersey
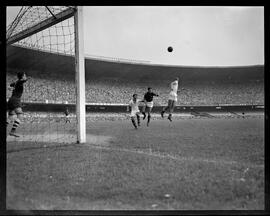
(15, 99)
(18, 88)
(149, 96)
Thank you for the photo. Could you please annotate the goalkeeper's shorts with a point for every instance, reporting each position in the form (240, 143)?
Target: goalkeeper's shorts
(14, 106)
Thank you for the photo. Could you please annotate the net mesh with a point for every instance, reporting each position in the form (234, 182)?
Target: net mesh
(58, 38)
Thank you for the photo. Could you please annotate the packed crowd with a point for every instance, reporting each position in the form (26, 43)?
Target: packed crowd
(119, 91)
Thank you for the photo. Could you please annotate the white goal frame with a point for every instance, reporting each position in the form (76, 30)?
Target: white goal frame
(80, 75)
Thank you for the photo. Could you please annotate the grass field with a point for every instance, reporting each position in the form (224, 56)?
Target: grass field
(189, 164)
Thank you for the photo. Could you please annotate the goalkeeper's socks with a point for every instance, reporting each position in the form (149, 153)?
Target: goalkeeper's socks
(15, 125)
(133, 122)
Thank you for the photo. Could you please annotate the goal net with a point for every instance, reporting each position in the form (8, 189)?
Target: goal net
(42, 41)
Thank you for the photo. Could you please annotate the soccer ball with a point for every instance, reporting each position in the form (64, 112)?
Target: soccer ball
(170, 49)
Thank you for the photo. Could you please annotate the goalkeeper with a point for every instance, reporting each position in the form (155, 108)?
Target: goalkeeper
(14, 106)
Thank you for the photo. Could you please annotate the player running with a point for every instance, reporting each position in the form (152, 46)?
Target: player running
(172, 99)
(148, 99)
(14, 106)
(134, 104)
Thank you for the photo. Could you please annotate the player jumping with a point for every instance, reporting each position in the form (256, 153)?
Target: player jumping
(134, 104)
(14, 106)
(148, 99)
(172, 99)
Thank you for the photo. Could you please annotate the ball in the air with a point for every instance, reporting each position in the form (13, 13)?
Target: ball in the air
(170, 49)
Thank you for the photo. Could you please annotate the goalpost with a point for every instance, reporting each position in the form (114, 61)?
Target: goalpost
(31, 30)
(80, 75)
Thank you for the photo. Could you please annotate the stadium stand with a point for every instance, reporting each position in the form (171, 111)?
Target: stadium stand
(109, 81)
(116, 91)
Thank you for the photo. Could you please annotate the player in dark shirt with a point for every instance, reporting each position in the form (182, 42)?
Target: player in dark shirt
(148, 99)
(14, 106)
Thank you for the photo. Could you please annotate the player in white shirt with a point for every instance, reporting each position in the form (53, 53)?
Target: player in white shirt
(172, 99)
(134, 104)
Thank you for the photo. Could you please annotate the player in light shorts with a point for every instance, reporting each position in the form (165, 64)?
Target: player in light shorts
(172, 100)
(148, 99)
(134, 104)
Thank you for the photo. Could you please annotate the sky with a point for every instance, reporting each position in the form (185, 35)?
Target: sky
(200, 36)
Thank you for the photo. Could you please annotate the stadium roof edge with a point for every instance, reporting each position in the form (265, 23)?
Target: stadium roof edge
(136, 62)
(166, 65)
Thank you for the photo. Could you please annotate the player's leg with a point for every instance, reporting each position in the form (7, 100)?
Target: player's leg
(17, 121)
(170, 112)
(165, 109)
(10, 112)
(143, 111)
(9, 117)
(149, 109)
(172, 105)
(132, 117)
(138, 119)
(133, 122)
